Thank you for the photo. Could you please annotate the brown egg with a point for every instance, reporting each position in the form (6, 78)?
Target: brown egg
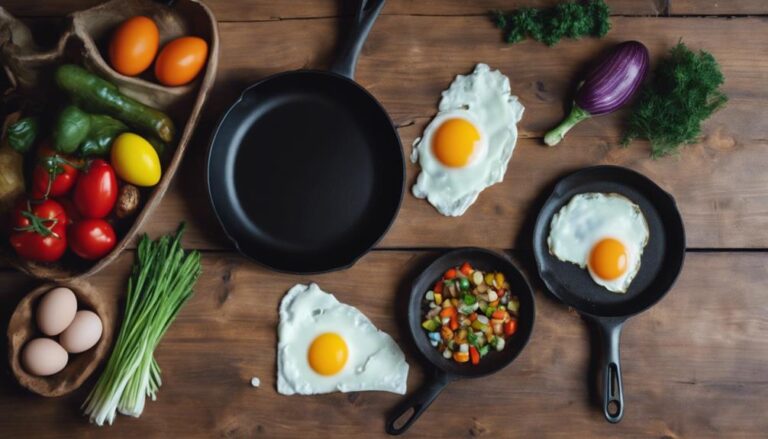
(83, 333)
(56, 311)
(43, 357)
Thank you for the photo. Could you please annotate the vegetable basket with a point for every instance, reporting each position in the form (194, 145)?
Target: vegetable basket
(28, 66)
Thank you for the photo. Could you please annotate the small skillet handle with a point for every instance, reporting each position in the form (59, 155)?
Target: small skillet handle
(365, 16)
(419, 402)
(613, 388)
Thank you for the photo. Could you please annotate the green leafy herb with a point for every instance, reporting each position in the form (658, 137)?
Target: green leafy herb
(161, 282)
(550, 25)
(483, 350)
(684, 91)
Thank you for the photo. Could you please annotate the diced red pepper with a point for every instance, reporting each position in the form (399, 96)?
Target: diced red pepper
(448, 312)
(450, 274)
(474, 355)
(466, 269)
(438, 287)
(510, 327)
(499, 314)
(473, 317)
(454, 322)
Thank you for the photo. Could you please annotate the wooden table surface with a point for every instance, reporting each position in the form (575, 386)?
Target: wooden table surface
(695, 365)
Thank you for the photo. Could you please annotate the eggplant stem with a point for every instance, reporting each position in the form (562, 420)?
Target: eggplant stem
(554, 137)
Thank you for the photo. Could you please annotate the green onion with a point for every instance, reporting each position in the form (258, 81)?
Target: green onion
(161, 282)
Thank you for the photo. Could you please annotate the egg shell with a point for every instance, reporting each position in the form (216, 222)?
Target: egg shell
(83, 333)
(134, 45)
(56, 311)
(180, 61)
(43, 357)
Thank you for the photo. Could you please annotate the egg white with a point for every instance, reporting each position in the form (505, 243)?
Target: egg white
(591, 217)
(483, 98)
(375, 362)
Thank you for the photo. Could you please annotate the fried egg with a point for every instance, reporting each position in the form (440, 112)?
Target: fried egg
(468, 144)
(327, 346)
(604, 233)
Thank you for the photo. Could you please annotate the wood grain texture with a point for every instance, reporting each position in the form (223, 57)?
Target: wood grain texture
(718, 7)
(239, 10)
(691, 364)
(719, 183)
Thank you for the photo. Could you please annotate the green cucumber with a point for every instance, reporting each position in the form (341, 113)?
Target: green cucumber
(100, 96)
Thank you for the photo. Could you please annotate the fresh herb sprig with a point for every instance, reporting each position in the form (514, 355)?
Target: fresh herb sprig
(550, 25)
(683, 91)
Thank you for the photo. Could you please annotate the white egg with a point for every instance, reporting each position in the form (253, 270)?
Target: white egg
(469, 143)
(604, 233)
(327, 346)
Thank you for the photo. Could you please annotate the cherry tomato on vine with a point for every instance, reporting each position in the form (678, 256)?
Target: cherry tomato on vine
(54, 174)
(91, 238)
(96, 190)
(39, 230)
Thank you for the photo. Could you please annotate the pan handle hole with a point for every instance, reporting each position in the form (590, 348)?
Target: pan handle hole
(613, 408)
(403, 419)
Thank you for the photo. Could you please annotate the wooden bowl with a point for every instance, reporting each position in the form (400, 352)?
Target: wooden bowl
(87, 33)
(23, 328)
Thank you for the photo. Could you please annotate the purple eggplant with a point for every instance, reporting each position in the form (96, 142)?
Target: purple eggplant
(608, 87)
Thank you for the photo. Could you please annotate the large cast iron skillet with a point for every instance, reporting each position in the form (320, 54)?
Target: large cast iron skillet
(661, 262)
(440, 371)
(305, 170)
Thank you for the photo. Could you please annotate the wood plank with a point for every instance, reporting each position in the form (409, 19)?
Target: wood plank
(240, 10)
(691, 364)
(719, 183)
(718, 7)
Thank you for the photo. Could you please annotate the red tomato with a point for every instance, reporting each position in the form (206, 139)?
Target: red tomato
(69, 208)
(39, 230)
(91, 238)
(474, 355)
(96, 190)
(510, 327)
(54, 174)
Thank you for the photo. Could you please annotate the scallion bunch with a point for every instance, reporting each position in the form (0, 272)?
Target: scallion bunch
(160, 283)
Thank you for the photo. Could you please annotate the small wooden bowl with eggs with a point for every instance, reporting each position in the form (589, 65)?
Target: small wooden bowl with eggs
(61, 333)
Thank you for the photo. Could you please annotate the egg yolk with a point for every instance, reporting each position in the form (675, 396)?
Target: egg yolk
(328, 354)
(608, 259)
(454, 142)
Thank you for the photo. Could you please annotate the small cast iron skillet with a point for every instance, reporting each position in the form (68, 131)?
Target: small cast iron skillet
(440, 370)
(661, 262)
(305, 171)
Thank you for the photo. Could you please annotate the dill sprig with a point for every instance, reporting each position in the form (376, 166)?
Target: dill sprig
(683, 92)
(550, 25)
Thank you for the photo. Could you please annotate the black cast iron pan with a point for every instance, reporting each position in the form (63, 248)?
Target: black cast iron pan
(440, 371)
(661, 262)
(305, 170)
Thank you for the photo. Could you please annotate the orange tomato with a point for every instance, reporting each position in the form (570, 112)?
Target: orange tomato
(134, 45)
(181, 60)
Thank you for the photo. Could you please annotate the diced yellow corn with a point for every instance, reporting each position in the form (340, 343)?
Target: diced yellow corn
(447, 304)
(499, 279)
(438, 298)
(478, 326)
(489, 279)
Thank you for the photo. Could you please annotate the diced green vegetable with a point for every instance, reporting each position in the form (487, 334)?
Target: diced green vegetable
(464, 284)
(430, 325)
(483, 350)
(469, 299)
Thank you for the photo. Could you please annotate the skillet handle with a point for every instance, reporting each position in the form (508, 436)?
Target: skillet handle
(365, 15)
(613, 388)
(408, 411)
